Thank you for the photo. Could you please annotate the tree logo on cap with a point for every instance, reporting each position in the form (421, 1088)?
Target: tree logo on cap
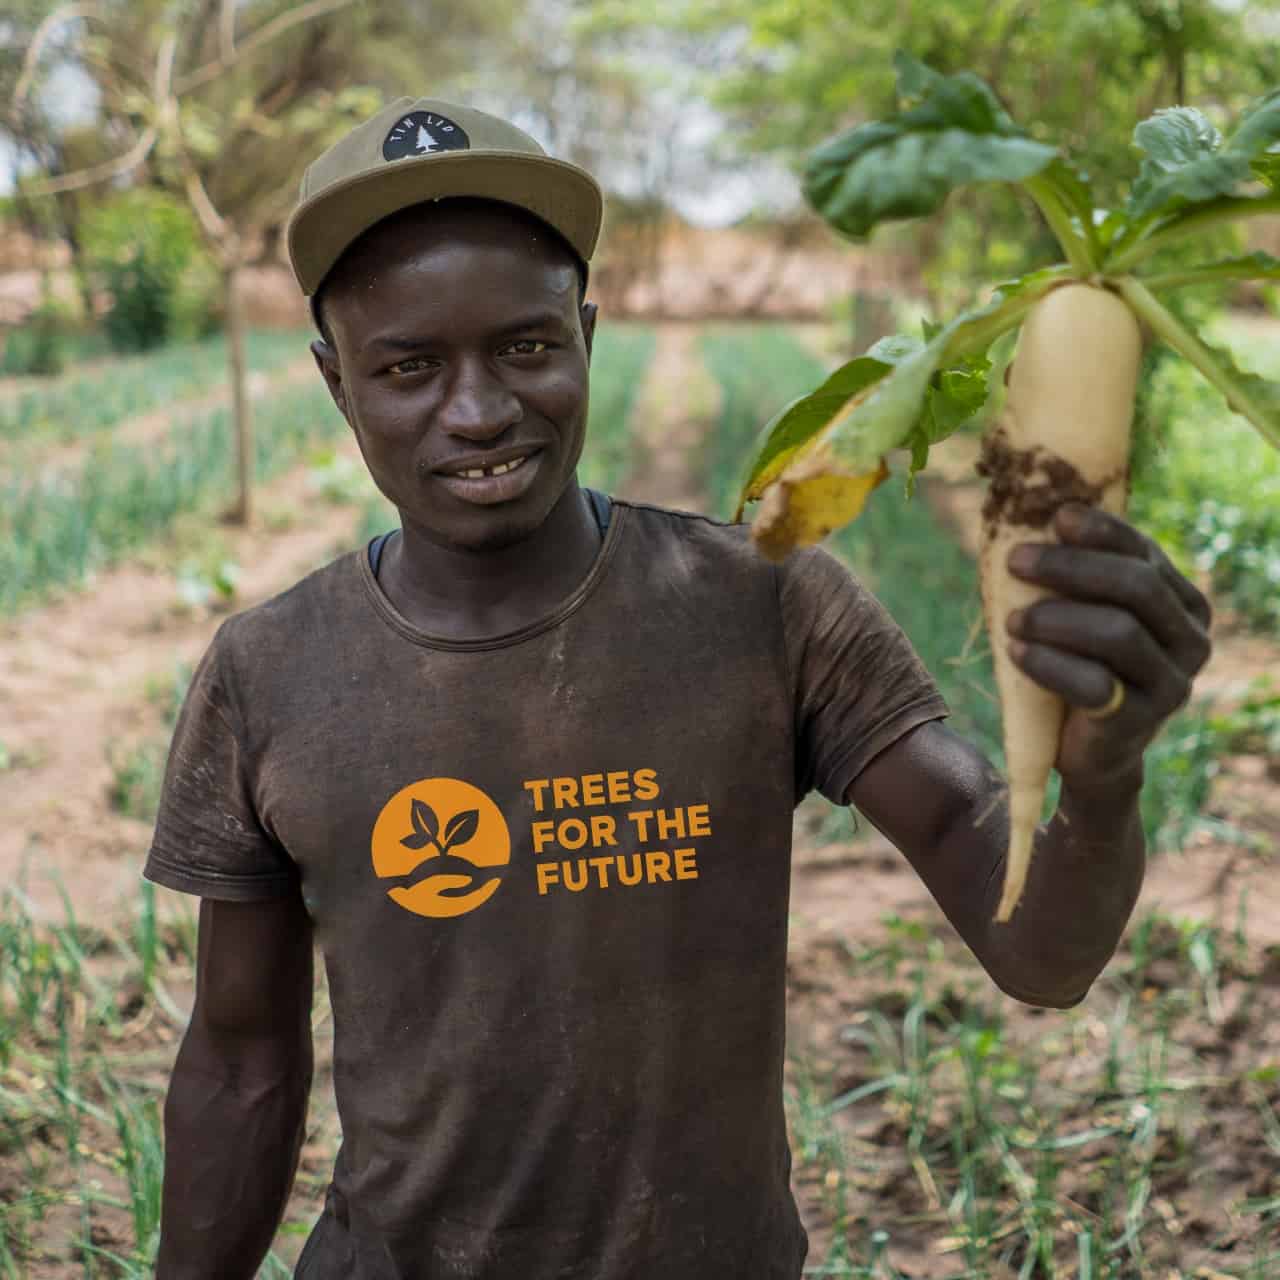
(423, 133)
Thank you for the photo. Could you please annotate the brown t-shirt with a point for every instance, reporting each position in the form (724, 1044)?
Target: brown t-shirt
(549, 877)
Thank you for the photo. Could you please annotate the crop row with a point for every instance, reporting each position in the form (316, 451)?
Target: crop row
(1210, 494)
(55, 528)
(86, 404)
(620, 357)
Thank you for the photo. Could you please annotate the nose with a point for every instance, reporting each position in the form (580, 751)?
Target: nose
(478, 405)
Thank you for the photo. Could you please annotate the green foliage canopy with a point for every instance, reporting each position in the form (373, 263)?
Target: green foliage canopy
(1077, 71)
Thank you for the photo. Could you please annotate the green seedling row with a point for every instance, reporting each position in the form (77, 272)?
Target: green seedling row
(76, 406)
(56, 529)
(620, 358)
(1215, 509)
(1067, 1146)
(758, 369)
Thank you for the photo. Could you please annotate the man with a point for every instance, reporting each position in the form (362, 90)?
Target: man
(525, 771)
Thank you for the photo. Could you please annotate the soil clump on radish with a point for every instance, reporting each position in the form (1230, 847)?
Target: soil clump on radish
(1026, 486)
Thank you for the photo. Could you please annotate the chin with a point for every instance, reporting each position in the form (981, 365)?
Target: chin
(495, 533)
(495, 539)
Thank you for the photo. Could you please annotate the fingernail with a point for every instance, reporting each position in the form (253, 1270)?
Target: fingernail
(1013, 622)
(1022, 559)
(1071, 516)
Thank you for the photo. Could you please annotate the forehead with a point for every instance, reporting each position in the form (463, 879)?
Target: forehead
(454, 239)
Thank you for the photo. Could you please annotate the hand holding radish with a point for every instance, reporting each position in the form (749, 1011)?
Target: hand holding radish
(1119, 611)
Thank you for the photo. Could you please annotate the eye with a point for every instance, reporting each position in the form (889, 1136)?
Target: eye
(415, 364)
(527, 347)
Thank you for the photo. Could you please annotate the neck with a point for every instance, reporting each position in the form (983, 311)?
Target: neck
(462, 593)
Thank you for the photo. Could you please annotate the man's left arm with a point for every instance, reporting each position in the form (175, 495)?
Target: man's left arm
(1121, 611)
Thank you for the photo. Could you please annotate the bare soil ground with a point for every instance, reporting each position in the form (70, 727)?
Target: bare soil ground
(73, 678)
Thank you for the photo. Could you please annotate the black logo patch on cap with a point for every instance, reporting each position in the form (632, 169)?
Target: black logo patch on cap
(423, 133)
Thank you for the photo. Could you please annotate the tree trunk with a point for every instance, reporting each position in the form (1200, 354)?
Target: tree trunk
(233, 321)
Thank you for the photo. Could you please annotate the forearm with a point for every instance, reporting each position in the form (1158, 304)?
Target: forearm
(1085, 878)
(233, 1130)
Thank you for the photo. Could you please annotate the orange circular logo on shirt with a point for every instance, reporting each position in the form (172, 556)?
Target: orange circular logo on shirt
(443, 839)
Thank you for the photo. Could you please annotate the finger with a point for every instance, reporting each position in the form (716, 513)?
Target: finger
(1093, 526)
(1135, 584)
(1110, 636)
(1081, 682)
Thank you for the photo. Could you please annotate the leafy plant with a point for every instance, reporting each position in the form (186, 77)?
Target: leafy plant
(38, 348)
(426, 829)
(1073, 382)
(144, 272)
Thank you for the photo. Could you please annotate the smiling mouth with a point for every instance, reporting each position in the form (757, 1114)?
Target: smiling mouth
(500, 469)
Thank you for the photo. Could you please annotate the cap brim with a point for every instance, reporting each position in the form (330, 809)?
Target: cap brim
(557, 192)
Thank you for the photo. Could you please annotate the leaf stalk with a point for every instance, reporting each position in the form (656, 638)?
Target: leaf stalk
(1184, 224)
(1075, 244)
(1167, 327)
(974, 338)
(1200, 275)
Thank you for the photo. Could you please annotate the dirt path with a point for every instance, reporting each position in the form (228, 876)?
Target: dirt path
(72, 677)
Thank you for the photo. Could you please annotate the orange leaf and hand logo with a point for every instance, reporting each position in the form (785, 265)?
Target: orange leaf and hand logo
(444, 842)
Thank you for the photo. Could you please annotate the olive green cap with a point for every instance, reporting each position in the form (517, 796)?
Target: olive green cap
(426, 149)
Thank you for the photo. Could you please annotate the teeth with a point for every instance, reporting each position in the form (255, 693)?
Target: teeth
(477, 473)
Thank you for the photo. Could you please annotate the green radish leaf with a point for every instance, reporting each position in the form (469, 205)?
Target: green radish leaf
(905, 166)
(1184, 163)
(953, 397)
(1253, 397)
(1257, 132)
(1071, 186)
(1249, 266)
(803, 418)
(1187, 161)
(1266, 168)
(901, 393)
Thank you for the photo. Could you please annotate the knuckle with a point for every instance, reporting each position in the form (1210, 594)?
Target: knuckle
(1148, 587)
(1126, 631)
(1202, 650)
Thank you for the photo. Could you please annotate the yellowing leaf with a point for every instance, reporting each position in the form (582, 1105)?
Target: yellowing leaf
(808, 501)
(805, 417)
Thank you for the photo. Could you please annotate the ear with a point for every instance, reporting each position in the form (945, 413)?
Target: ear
(589, 312)
(327, 362)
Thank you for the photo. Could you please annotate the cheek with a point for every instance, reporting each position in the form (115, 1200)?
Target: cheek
(389, 420)
(561, 394)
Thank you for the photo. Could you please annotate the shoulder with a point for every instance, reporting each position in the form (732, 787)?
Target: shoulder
(690, 533)
(287, 621)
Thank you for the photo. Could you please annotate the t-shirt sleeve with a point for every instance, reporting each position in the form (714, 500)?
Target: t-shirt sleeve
(208, 838)
(859, 685)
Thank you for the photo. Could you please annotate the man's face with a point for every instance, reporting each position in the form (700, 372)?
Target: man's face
(458, 345)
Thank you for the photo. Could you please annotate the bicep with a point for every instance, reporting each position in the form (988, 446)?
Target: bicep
(923, 793)
(254, 971)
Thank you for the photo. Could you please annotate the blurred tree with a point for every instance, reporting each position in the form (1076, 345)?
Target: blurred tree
(227, 101)
(37, 141)
(1084, 71)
